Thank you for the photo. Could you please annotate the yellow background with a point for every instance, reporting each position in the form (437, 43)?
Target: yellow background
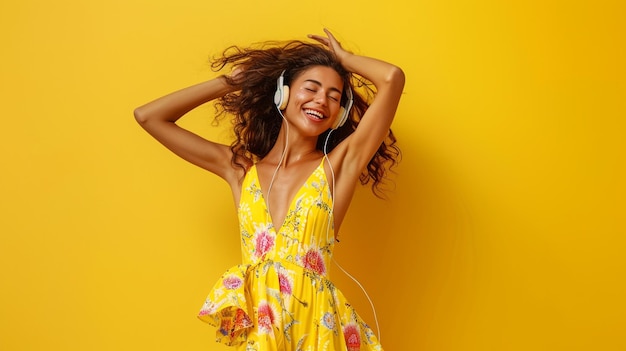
(505, 230)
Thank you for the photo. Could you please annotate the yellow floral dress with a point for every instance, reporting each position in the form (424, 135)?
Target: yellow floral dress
(281, 297)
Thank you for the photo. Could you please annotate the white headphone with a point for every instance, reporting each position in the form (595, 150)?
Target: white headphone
(281, 97)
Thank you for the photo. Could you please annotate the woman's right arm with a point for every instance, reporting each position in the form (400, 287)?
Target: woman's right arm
(159, 119)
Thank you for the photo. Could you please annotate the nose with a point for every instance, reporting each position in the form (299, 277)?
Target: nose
(321, 98)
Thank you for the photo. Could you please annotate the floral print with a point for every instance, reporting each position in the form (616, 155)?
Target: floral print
(353, 339)
(285, 283)
(266, 317)
(232, 282)
(328, 321)
(313, 261)
(263, 240)
(280, 297)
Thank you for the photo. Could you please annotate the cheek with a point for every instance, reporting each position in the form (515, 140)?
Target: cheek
(334, 109)
(296, 100)
(299, 97)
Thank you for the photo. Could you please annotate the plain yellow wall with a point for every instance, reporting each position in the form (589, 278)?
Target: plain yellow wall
(505, 230)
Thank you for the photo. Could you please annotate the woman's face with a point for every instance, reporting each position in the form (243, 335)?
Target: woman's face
(314, 99)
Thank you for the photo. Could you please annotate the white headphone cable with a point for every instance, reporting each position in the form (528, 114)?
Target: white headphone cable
(332, 172)
(280, 162)
(366, 295)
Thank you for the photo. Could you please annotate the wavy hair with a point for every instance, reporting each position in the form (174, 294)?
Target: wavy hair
(257, 121)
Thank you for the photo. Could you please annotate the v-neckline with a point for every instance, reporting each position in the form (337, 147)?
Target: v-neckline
(291, 203)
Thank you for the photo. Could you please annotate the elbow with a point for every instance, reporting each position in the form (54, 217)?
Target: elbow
(140, 115)
(395, 76)
(392, 79)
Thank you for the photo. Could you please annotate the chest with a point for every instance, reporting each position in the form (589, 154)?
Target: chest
(280, 186)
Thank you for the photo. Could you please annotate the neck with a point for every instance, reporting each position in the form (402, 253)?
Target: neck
(298, 148)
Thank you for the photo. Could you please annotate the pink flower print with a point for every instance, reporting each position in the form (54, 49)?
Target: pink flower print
(263, 243)
(285, 284)
(266, 318)
(232, 282)
(313, 260)
(209, 308)
(353, 338)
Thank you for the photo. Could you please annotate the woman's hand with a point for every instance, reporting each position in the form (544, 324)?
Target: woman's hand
(331, 42)
(236, 74)
(234, 78)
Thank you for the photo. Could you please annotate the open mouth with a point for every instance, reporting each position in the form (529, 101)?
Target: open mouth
(314, 114)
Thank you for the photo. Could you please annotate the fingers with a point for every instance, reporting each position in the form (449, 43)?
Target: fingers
(329, 40)
(320, 39)
(331, 37)
(236, 71)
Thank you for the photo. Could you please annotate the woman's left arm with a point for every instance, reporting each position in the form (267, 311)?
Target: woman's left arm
(374, 126)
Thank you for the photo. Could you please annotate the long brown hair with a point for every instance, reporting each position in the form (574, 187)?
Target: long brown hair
(257, 120)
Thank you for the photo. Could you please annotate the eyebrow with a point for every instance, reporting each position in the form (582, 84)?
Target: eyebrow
(320, 84)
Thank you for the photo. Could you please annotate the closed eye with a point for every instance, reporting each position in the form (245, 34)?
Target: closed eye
(312, 87)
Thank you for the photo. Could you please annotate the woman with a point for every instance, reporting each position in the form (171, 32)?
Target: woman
(303, 140)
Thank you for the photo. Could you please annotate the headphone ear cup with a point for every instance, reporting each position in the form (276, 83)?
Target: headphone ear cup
(281, 95)
(278, 96)
(344, 111)
(341, 118)
(284, 98)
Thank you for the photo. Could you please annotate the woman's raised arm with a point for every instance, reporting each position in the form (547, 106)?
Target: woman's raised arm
(374, 126)
(159, 118)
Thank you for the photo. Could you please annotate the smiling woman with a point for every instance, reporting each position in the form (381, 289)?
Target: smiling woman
(293, 166)
(318, 92)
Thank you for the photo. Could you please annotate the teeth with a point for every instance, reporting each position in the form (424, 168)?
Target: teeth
(314, 113)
